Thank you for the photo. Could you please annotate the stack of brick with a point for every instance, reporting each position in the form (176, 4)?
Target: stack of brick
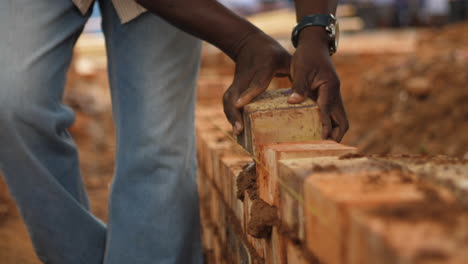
(291, 198)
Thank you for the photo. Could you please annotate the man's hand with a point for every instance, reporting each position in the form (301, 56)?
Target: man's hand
(314, 75)
(258, 59)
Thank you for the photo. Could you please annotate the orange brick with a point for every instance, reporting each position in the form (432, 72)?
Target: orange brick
(275, 248)
(218, 249)
(247, 210)
(271, 154)
(258, 244)
(295, 254)
(221, 123)
(212, 88)
(270, 119)
(232, 165)
(208, 111)
(330, 197)
(205, 191)
(417, 237)
(290, 190)
(244, 254)
(292, 174)
(212, 144)
(238, 249)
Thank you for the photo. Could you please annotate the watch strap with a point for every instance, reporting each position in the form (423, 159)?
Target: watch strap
(323, 20)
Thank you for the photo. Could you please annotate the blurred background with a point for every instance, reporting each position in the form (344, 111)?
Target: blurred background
(403, 66)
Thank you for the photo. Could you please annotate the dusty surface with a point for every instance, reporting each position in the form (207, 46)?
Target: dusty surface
(414, 104)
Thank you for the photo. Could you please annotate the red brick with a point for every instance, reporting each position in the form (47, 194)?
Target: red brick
(293, 172)
(295, 254)
(331, 197)
(211, 88)
(275, 248)
(232, 165)
(258, 244)
(270, 119)
(271, 154)
(212, 144)
(383, 239)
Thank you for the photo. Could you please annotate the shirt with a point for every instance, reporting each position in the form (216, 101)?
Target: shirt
(126, 9)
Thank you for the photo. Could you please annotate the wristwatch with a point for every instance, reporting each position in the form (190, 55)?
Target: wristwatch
(327, 21)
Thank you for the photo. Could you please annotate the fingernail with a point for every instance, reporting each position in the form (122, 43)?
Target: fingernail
(238, 127)
(239, 102)
(295, 97)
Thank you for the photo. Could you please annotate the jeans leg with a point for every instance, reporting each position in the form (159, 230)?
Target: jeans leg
(154, 214)
(37, 155)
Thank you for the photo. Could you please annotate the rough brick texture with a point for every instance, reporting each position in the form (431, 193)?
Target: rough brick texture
(332, 205)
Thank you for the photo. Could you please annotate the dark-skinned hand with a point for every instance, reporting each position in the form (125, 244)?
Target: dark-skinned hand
(258, 60)
(314, 75)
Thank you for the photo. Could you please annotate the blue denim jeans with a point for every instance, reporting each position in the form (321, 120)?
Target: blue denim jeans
(153, 211)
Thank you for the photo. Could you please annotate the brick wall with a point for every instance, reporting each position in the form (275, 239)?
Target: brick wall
(320, 202)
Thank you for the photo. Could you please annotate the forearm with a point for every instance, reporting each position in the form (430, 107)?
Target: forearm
(311, 7)
(205, 19)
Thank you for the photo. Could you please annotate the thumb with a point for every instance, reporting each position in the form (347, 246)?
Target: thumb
(299, 89)
(258, 84)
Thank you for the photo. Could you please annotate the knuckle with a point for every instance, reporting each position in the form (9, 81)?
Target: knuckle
(227, 97)
(334, 83)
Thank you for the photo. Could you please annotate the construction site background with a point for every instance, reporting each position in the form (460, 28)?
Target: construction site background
(404, 76)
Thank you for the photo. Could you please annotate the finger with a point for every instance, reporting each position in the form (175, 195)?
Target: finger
(233, 113)
(299, 89)
(340, 119)
(324, 104)
(258, 84)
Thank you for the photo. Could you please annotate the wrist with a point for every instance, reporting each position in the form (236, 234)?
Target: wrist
(242, 41)
(314, 35)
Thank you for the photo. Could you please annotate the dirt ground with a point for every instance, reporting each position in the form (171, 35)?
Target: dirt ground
(412, 104)
(397, 103)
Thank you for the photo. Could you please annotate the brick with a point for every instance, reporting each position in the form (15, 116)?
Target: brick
(270, 119)
(208, 111)
(221, 123)
(295, 255)
(212, 87)
(208, 236)
(218, 250)
(271, 154)
(331, 197)
(205, 191)
(258, 244)
(441, 170)
(275, 248)
(238, 249)
(292, 174)
(232, 244)
(244, 254)
(247, 210)
(202, 126)
(212, 144)
(232, 165)
(409, 238)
